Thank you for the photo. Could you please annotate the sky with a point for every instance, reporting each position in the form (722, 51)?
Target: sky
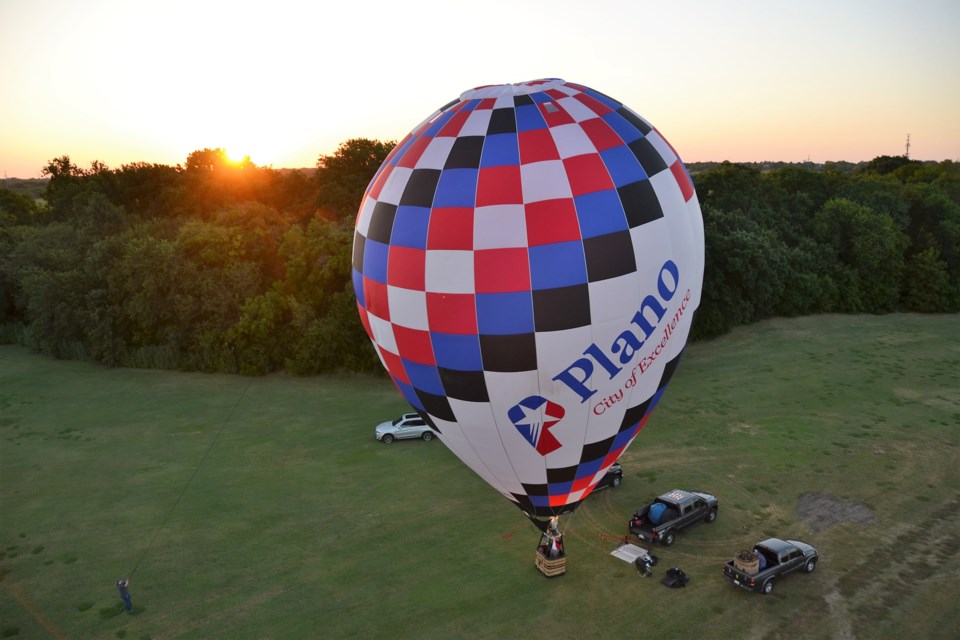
(284, 81)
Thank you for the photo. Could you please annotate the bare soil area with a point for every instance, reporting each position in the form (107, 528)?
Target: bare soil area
(820, 511)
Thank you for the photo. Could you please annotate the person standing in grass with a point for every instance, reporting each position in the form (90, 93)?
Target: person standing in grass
(124, 588)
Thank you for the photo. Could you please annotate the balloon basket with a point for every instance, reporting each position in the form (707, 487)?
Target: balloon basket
(551, 559)
(551, 567)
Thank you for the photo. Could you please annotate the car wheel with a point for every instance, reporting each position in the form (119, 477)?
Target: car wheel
(616, 481)
(427, 436)
(387, 439)
(810, 566)
(668, 538)
(711, 515)
(767, 587)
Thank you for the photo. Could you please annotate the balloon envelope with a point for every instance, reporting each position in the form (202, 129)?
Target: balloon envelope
(527, 262)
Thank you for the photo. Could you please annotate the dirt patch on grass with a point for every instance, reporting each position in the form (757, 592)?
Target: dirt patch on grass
(820, 511)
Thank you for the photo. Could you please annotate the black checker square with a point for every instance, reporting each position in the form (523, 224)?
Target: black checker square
(596, 450)
(464, 385)
(436, 405)
(359, 243)
(502, 121)
(640, 203)
(668, 370)
(420, 188)
(522, 100)
(465, 153)
(381, 222)
(609, 256)
(632, 118)
(561, 308)
(535, 489)
(634, 415)
(648, 156)
(561, 474)
(509, 353)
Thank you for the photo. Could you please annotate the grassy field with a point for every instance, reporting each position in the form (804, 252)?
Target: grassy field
(264, 508)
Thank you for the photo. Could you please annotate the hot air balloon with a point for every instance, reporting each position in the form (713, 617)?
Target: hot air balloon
(527, 263)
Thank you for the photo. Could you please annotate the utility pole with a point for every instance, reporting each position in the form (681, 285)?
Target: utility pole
(907, 152)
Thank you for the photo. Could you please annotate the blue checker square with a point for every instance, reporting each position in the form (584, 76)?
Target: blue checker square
(540, 97)
(399, 153)
(424, 377)
(457, 188)
(358, 288)
(605, 99)
(529, 118)
(434, 128)
(588, 469)
(504, 313)
(624, 128)
(623, 165)
(456, 351)
(600, 213)
(500, 150)
(410, 227)
(375, 260)
(560, 264)
(409, 394)
(557, 488)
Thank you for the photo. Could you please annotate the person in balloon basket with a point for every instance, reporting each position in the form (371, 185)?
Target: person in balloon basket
(124, 587)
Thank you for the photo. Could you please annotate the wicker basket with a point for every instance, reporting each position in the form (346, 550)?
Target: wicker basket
(746, 561)
(551, 567)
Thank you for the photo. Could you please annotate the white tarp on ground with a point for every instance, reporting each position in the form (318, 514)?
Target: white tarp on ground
(628, 552)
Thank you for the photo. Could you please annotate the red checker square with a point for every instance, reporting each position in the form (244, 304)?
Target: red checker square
(560, 500)
(414, 345)
(587, 174)
(397, 148)
(411, 155)
(537, 145)
(551, 221)
(452, 313)
(554, 115)
(556, 94)
(394, 365)
(499, 185)
(595, 105)
(454, 124)
(683, 180)
(601, 134)
(364, 320)
(377, 186)
(580, 484)
(375, 295)
(450, 228)
(487, 103)
(406, 267)
(501, 270)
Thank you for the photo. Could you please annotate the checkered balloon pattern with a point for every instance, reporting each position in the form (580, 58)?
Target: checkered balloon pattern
(527, 263)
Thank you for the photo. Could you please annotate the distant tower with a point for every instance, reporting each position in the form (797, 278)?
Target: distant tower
(906, 153)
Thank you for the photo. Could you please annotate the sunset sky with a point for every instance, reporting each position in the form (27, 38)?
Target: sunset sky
(284, 82)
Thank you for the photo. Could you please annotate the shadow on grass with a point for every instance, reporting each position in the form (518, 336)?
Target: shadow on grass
(112, 612)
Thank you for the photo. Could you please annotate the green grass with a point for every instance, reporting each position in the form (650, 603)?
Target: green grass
(298, 524)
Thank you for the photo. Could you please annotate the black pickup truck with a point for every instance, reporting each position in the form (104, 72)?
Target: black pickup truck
(757, 570)
(660, 520)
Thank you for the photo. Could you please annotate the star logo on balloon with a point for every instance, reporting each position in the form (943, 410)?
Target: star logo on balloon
(533, 417)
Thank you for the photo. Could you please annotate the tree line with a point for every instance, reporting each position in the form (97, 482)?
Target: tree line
(229, 267)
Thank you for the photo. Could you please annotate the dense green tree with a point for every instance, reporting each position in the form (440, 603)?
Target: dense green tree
(343, 176)
(869, 249)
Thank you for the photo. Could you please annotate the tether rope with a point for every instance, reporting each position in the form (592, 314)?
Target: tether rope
(194, 475)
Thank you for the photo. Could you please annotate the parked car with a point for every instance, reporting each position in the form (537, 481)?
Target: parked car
(407, 426)
(612, 478)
